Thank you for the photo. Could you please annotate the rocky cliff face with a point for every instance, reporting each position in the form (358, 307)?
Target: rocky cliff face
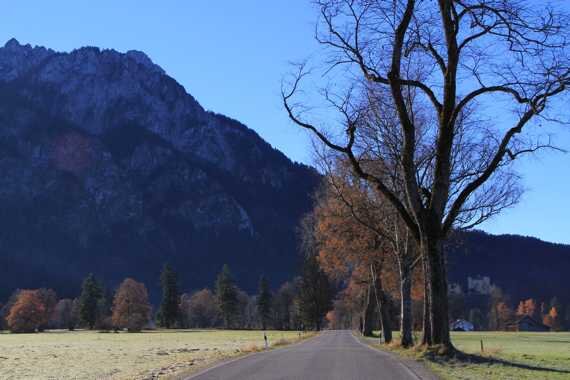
(107, 165)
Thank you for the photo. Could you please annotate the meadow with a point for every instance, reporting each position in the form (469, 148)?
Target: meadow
(506, 355)
(160, 354)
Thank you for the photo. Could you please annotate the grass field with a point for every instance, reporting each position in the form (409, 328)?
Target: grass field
(505, 356)
(148, 355)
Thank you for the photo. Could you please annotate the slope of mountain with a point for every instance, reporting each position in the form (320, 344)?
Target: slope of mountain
(107, 165)
(524, 267)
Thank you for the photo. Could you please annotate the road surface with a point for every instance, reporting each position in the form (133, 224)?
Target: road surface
(333, 355)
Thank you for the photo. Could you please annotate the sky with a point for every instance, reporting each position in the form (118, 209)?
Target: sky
(232, 55)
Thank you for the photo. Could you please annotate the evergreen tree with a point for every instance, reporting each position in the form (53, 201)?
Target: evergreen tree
(169, 306)
(104, 306)
(315, 294)
(226, 294)
(91, 293)
(264, 302)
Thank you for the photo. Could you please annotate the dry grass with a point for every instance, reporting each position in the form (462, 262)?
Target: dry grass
(148, 355)
(282, 342)
(250, 347)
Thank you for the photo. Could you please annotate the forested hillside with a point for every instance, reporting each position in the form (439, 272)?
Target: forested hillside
(109, 166)
(524, 267)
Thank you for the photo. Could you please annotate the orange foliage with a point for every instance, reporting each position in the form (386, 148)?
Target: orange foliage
(359, 236)
(28, 313)
(527, 307)
(418, 288)
(551, 319)
(131, 308)
(346, 246)
(331, 319)
(343, 245)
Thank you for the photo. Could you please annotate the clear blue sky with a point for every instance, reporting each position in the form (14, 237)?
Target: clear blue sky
(231, 56)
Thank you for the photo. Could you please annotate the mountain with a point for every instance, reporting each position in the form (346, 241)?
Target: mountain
(523, 267)
(108, 165)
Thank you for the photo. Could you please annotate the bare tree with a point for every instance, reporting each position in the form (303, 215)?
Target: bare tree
(442, 67)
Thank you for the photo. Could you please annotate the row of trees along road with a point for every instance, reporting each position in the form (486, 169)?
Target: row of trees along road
(299, 304)
(429, 104)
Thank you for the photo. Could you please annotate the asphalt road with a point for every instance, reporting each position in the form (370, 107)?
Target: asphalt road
(333, 355)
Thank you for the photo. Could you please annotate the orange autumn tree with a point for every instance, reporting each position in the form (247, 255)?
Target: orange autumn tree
(357, 227)
(332, 320)
(131, 308)
(350, 305)
(552, 319)
(528, 307)
(27, 314)
(349, 250)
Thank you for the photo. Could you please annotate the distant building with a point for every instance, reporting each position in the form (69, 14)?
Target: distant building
(462, 325)
(527, 323)
(479, 285)
(455, 289)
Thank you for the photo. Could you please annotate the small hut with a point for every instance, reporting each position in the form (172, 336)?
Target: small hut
(527, 323)
(462, 325)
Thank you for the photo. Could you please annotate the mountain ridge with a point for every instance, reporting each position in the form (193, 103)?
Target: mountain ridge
(108, 159)
(522, 266)
(110, 166)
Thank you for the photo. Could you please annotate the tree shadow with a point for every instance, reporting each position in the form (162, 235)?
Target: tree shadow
(554, 341)
(459, 357)
(178, 331)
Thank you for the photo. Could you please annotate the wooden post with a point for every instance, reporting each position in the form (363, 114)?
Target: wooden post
(482, 349)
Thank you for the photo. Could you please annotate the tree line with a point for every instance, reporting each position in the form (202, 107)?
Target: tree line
(366, 250)
(500, 313)
(419, 111)
(299, 304)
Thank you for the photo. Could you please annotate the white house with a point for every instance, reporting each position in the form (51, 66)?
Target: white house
(462, 325)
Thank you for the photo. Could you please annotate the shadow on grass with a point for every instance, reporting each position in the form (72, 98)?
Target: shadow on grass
(463, 358)
(176, 331)
(554, 341)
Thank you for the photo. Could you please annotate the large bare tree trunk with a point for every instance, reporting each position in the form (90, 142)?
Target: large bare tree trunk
(439, 319)
(426, 334)
(406, 339)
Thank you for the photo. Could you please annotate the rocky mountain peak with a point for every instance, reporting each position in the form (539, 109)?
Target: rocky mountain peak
(16, 59)
(107, 159)
(143, 59)
(12, 44)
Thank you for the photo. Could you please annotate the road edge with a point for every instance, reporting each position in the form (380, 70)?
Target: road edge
(417, 369)
(224, 362)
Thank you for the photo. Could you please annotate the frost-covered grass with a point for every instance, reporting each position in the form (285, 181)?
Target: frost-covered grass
(506, 355)
(146, 355)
